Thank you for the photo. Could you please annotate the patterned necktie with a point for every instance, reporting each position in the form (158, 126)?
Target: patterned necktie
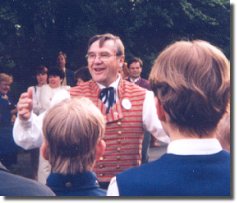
(107, 96)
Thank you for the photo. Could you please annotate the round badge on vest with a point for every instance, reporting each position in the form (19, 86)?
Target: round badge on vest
(126, 104)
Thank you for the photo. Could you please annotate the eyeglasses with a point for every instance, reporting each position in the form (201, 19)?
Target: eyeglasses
(103, 56)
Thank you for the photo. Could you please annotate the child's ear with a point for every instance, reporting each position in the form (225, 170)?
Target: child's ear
(160, 110)
(44, 151)
(100, 149)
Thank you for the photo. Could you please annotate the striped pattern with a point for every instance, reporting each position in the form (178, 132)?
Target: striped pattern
(124, 129)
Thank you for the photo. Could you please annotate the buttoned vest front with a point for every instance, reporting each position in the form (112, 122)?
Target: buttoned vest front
(124, 127)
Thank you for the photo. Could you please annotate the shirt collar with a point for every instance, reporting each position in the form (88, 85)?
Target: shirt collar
(134, 80)
(63, 69)
(80, 180)
(194, 146)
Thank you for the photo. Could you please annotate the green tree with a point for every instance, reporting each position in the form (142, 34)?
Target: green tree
(32, 32)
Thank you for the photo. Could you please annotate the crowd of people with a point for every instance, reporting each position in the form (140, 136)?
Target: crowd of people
(92, 129)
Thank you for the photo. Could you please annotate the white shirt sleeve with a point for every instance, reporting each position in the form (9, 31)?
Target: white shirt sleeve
(150, 118)
(28, 134)
(113, 188)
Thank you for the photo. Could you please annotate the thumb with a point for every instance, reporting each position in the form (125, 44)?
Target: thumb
(29, 91)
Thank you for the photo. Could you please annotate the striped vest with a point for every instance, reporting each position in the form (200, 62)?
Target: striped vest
(124, 128)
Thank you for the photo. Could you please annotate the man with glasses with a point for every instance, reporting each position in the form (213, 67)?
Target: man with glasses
(127, 108)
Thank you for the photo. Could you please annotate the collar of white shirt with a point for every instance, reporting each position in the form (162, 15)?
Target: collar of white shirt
(194, 146)
(134, 80)
(64, 69)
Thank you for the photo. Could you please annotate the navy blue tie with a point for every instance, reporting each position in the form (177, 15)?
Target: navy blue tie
(107, 95)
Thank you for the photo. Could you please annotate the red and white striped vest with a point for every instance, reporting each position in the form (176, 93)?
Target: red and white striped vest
(124, 128)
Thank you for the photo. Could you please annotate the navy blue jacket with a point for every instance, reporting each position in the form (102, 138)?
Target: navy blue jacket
(7, 144)
(179, 175)
(5, 111)
(81, 184)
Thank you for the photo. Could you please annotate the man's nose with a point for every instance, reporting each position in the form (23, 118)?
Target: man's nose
(97, 59)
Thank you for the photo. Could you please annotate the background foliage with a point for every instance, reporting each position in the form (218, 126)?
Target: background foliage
(32, 32)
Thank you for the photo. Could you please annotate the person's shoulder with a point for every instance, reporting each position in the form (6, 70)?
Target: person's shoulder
(15, 185)
(133, 86)
(145, 83)
(146, 168)
(144, 80)
(83, 88)
(135, 171)
(225, 154)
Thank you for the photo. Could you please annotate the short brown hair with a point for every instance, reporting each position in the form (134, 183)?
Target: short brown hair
(135, 59)
(61, 53)
(72, 129)
(192, 81)
(105, 37)
(41, 70)
(82, 73)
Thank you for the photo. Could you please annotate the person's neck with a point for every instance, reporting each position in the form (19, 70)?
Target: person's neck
(178, 134)
(111, 84)
(41, 84)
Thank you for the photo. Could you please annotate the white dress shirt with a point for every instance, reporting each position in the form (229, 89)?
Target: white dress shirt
(28, 134)
(180, 147)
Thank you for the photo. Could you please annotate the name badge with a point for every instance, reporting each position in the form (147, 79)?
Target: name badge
(126, 104)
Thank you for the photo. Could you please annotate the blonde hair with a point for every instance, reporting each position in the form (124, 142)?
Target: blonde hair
(72, 128)
(192, 81)
(6, 78)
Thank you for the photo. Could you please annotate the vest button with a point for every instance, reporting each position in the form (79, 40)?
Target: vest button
(118, 157)
(101, 166)
(118, 149)
(119, 123)
(119, 132)
(119, 141)
(101, 174)
(118, 166)
(68, 184)
(101, 158)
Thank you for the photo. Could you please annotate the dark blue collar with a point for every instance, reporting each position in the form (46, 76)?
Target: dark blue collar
(83, 180)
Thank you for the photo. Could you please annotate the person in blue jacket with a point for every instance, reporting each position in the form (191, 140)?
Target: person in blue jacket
(8, 148)
(73, 139)
(191, 81)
